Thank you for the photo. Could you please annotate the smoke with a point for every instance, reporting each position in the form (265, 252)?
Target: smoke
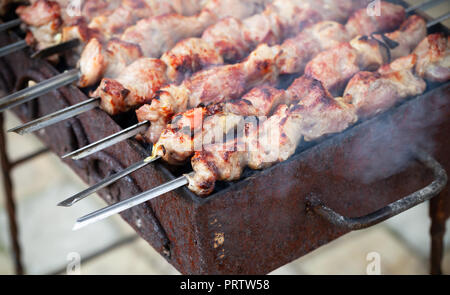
(387, 146)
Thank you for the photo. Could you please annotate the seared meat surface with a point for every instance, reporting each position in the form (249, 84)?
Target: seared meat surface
(335, 67)
(226, 83)
(434, 58)
(156, 35)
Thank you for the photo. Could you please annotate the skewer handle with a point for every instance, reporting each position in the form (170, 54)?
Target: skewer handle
(129, 203)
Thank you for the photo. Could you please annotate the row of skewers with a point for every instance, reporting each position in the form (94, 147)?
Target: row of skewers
(237, 90)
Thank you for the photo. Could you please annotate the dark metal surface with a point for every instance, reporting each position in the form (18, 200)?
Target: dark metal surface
(391, 210)
(259, 223)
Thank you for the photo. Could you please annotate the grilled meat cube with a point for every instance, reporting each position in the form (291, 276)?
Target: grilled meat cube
(363, 23)
(336, 66)
(40, 13)
(189, 56)
(433, 62)
(299, 50)
(134, 87)
(111, 60)
(287, 126)
(372, 93)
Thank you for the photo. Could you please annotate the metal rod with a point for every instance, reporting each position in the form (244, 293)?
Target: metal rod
(108, 141)
(58, 48)
(424, 6)
(39, 89)
(438, 20)
(11, 24)
(58, 116)
(105, 182)
(129, 203)
(13, 47)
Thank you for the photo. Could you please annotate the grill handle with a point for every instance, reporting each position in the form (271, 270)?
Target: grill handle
(313, 204)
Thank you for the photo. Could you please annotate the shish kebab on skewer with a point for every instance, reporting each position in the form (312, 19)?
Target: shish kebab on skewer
(313, 115)
(155, 36)
(112, 98)
(156, 9)
(44, 19)
(147, 38)
(66, 26)
(412, 31)
(291, 57)
(287, 13)
(54, 24)
(280, 18)
(135, 40)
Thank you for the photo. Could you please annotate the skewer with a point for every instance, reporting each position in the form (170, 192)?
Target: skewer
(63, 46)
(424, 6)
(39, 89)
(108, 141)
(438, 20)
(55, 117)
(11, 24)
(107, 181)
(246, 14)
(8, 49)
(131, 202)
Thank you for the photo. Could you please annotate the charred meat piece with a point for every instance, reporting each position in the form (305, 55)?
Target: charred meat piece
(433, 55)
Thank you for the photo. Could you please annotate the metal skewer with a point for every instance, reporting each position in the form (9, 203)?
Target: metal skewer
(107, 181)
(438, 20)
(13, 47)
(108, 141)
(131, 202)
(39, 89)
(56, 117)
(424, 6)
(58, 48)
(11, 24)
